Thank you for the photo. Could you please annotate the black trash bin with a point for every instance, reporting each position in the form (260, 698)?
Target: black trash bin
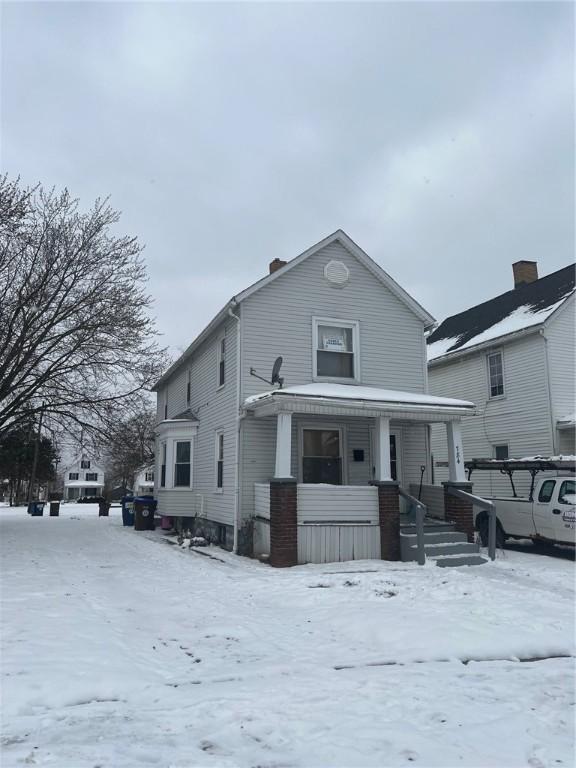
(36, 508)
(54, 508)
(103, 508)
(144, 508)
(128, 510)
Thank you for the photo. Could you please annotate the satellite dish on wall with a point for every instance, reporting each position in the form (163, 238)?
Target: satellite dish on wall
(275, 378)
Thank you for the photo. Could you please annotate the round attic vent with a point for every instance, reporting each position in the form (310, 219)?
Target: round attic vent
(336, 272)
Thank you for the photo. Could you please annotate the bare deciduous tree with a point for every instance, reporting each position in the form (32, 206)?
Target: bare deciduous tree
(75, 329)
(129, 445)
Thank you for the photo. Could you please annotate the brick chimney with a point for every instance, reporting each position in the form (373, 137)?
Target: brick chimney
(524, 272)
(277, 264)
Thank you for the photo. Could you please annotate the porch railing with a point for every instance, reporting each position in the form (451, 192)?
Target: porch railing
(420, 514)
(488, 506)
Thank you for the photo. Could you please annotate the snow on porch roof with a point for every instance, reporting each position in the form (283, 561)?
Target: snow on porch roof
(355, 393)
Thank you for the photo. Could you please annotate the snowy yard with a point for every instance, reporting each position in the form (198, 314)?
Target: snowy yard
(122, 650)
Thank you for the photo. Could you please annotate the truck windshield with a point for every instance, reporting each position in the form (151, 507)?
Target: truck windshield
(567, 493)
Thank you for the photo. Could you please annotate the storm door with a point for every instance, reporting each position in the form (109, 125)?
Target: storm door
(322, 456)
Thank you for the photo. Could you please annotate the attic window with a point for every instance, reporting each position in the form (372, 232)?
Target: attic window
(337, 273)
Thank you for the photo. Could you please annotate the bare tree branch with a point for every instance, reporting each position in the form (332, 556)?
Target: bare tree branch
(75, 328)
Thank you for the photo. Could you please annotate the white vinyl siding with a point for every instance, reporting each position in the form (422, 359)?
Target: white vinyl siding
(278, 320)
(216, 409)
(520, 419)
(560, 342)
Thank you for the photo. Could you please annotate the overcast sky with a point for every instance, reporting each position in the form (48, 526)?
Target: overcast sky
(439, 136)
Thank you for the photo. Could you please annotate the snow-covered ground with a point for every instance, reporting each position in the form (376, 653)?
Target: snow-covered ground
(122, 650)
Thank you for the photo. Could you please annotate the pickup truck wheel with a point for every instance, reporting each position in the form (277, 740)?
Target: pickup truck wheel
(482, 526)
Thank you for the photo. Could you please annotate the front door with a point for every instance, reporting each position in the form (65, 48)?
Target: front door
(395, 468)
(322, 456)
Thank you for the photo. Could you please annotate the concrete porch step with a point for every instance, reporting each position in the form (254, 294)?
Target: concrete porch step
(442, 537)
(453, 561)
(449, 548)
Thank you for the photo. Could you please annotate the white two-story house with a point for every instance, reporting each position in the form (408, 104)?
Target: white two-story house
(83, 477)
(514, 357)
(348, 422)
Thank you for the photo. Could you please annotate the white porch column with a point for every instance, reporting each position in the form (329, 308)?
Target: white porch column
(383, 449)
(456, 471)
(283, 445)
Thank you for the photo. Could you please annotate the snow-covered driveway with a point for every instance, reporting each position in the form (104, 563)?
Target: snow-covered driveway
(121, 650)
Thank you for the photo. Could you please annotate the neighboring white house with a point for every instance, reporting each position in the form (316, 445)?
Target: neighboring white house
(83, 478)
(514, 357)
(233, 451)
(144, 481)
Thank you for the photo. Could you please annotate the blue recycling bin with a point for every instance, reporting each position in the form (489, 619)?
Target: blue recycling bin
(36, 508)
(128, 510)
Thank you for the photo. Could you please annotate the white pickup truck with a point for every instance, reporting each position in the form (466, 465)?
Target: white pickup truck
(549, 517)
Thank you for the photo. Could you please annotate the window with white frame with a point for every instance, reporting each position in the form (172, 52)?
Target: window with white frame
(336, 349)
(91, 475)
(221, 361)
(182, 463)
(163, 465)
(165, 404)
(72, 475)
(149, 477)
(85, 464)
(495, 374)
(219, 460)
(188, 387)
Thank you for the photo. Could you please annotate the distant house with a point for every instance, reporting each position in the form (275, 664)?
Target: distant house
(514, 357)
(304, 466)
(144, 481)
(83, 477)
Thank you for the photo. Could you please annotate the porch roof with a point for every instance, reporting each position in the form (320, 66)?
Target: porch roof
(350, 399)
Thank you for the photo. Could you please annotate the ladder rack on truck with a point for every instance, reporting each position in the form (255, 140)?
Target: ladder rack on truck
(534, 465)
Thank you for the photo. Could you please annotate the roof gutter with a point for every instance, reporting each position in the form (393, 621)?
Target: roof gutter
(212, 325)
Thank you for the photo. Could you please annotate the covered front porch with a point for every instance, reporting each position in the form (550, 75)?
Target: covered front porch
(344, 456)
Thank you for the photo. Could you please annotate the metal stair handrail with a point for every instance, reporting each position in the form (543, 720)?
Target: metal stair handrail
(420, 515)
(488, 506)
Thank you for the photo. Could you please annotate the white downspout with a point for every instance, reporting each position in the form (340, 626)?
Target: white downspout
(237, 449)
(549, 386)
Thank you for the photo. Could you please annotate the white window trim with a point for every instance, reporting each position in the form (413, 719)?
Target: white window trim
(217, 434)
(488, 356)
(221, 337)
(343, 446)
(171, 433)
(187, 439)
(163, 444)
(338, 323)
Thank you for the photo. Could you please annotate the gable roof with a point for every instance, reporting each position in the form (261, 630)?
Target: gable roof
(519, 310)
(350, 246)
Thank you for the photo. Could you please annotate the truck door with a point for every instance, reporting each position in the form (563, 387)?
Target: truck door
(564, 512)
(542, 510)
